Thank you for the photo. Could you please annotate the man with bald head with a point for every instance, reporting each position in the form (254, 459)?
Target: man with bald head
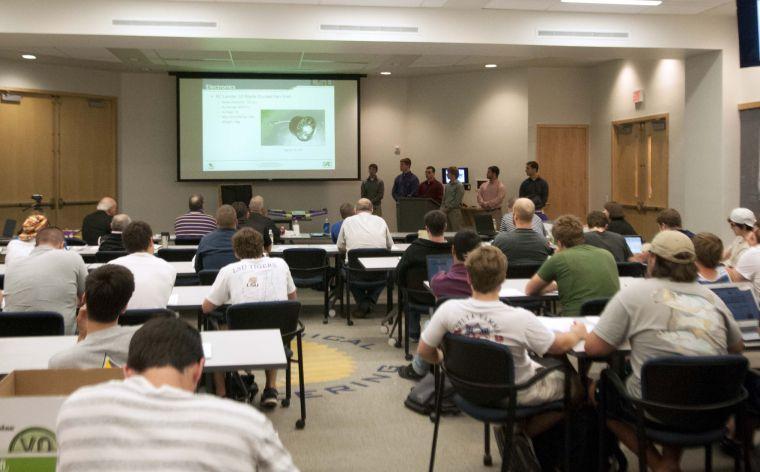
(113, 241)
(523, 245)
(195, 223)
(215, 249)
(259, 221)
(98, 223)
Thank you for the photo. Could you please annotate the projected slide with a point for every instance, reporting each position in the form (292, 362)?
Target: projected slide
(265, 126)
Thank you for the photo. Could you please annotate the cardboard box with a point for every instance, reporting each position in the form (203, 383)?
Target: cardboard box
(29, 404)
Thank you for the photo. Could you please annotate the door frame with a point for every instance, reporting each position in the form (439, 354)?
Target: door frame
(588, 146)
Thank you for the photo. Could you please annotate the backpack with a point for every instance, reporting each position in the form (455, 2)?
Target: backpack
(422, 397)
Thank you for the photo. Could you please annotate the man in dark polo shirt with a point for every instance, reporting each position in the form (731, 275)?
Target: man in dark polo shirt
(215, 249)
(98, 223)
(534, 187)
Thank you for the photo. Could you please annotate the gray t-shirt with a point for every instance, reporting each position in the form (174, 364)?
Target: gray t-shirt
(665, 318)
(91, 353)
(522, 246)
(610, 241)
(47, 280)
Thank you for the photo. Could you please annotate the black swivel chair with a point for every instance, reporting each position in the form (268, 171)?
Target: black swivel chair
(9, 228)
(631, 269)
(187, 241)
(415, 297)
(208, 276)
(310, 268)
(282, 315)
(31, 323)
(482, 374)
(593, 307)
(410, 238)
(356, 275)
(75, 242)
(176, 255)
(108, 256)
(138, 317)
(691, 398)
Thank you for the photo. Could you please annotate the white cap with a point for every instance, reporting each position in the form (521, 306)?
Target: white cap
(742, 216)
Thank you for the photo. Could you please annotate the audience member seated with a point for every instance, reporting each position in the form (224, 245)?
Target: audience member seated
(154, 277)
(508, 222)
(415, 257)
(742, 222)
(113, 241)
(599, 236)
(48, 279)
(102, 342)
(748, 267)
(22, 246)
(255, 278)
(618, 223)
(484, 316)
(156, 412)
(215, 249)
(709, 251)
(580, 272)
(670, 219)
(456, 283)
(259, 220)
(364, 230)
(346, 210)
(523, 245)
(668, 314)
(242, 213)
(98, 223)
(195, 223)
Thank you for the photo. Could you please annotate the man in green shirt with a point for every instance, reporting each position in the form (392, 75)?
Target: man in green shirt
(580, 272)
(373, 190)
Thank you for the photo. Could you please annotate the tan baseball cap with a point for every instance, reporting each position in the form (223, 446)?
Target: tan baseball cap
(743, 216)
(668, 244)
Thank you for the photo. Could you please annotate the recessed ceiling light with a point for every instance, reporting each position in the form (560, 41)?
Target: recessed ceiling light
(491, 66)
(29, 57)
(640, 3)
(385, 72)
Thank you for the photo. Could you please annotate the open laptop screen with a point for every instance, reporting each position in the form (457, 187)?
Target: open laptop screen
(634, 243)
(438, 263)
(741, 302)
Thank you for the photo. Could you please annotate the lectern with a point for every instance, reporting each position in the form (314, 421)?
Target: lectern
(410, 213)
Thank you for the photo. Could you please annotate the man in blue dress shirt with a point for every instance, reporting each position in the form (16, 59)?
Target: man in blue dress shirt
(406, 183)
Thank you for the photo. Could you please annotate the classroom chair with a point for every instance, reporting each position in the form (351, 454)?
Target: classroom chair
(31, 323)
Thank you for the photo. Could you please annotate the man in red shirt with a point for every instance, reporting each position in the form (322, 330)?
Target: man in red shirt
(431, 188)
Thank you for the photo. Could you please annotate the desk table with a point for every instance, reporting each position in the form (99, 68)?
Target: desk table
(183, 268)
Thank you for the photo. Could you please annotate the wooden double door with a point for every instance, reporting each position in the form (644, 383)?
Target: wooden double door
(60, 146)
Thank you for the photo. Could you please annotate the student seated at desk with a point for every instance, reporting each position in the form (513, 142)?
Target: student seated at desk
(113, 241)
(153, 420)
(709, 251)
(523, 245)
(102, 342)
(215, 249)
(22, 246)
(660, 316)
(580, 272)
(255, 278)
(346, 210)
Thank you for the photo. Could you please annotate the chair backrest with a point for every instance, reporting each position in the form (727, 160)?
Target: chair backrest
(522, 271)
(138, 317)
(75, 242)
(631, 269)
(187, 241)
(176, 255)
(484, 224)
(305, 262)
(593, 307)
(414, 288)
(356, 268)
(706, 381)
(410, 238)
(481, 371)
(9, 228)
(208, 276)
(31, 323)
(282, 315)
(108, 256)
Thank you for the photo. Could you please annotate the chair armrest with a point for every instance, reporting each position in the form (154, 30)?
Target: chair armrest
(646, 404)
(300, 330)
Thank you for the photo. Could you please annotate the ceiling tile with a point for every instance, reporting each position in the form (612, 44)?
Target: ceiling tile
(193, 55)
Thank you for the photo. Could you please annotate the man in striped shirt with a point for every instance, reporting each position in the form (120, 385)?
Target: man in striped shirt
(154, 421)
(195, 223)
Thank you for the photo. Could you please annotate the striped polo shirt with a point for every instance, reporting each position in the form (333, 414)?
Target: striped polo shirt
(132, 425)
(194, 224)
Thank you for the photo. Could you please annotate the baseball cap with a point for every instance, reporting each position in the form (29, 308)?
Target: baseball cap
(742, 216)
(667, 244)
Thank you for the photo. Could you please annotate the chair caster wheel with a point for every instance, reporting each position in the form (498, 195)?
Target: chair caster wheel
(397, 345)
(487, 460)
(300, 424)
(285, 402)
(432, 417)
(350, 322)
(408, 356)
(324, 321)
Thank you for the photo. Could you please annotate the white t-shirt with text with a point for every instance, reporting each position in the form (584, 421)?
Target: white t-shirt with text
(252, 280)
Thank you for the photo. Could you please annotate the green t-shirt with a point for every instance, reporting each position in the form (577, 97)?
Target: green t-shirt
(582, 272)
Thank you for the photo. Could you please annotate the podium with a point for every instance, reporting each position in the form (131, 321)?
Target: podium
(410, 213)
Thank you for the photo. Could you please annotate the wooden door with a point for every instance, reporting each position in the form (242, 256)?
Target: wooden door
(87, 156)
(640, 170)
(26, 156)
(562, 155)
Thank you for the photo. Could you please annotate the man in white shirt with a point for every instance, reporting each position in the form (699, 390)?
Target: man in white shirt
(154, 277)
(254, 278)
(742, 222)
(153, 420)
(364, 230)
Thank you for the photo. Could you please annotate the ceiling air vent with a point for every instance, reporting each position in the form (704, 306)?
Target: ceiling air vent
(166, 23)
(545, 33)
(370, 28)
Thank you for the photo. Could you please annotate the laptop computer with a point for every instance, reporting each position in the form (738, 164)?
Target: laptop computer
(438, 263)
(634, 243)
(740, 299)
(484, 225)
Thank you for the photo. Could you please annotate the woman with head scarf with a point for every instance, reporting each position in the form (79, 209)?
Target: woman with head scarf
(21, 247)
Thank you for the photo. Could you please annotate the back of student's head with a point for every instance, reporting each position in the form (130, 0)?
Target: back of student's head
(670, 218)
(241, 210)
(435, 222)
(226, 217)
(51, 236)
(465, 241)
(674, 257)
(615, 210)
(195, 203)
(568, 230)
(487, 267)
(709, 249)
(523, 210)
(248, 243)
(137, 236)
(597, 219)
(120, 221)
(164, 342)
(107, 291)
(346, 210)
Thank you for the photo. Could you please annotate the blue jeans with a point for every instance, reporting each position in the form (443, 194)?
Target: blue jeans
(420, 366)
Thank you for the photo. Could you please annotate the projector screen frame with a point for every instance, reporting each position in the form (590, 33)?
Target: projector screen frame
(284, 76)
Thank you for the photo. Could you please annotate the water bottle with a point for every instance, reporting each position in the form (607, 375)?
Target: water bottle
(296, 227)
(271, 236)
(326, 226)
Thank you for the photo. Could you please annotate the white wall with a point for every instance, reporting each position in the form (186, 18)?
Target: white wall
(35, 76)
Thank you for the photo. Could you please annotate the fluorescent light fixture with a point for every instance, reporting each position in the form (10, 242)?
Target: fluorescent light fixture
(491, 66)
(639, 3)
(29, 57)
(385, 72)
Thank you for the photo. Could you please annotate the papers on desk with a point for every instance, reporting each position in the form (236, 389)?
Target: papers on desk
(510, 292)
(563, 324)
(207, 350)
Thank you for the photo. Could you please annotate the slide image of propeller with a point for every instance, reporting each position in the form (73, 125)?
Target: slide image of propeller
(291, 127)
(303, 127)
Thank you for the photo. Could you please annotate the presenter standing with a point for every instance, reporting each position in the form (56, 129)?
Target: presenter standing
(535, 188)
(431, 188)
(373, 189)
(452, 199)
(491, 194)
(406, 183)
